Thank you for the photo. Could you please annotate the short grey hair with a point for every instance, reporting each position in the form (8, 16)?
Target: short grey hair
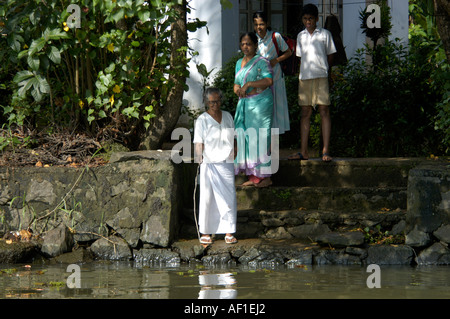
(209, 91)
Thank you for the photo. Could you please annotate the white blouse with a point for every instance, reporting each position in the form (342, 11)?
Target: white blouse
(217, 138)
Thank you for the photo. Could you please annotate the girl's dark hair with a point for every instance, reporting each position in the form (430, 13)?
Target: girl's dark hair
(260, 14)
(251, 35)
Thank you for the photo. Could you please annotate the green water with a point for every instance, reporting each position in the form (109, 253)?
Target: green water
(135, 281)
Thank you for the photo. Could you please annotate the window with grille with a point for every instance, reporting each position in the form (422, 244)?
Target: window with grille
(246, 10)
(276, 13)
(329, 7)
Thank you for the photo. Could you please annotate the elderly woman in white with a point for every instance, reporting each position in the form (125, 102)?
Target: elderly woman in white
(215, 150)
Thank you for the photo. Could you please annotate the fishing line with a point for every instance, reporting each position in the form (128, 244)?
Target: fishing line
(195, 200)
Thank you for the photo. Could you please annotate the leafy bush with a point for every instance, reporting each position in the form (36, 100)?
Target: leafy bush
(111, 72)
(387, 109)
(425, 42)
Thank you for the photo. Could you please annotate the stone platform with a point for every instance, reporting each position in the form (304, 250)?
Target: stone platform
(140, 207)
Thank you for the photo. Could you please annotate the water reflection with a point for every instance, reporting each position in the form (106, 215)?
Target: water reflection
(217, 286)
(130, 280)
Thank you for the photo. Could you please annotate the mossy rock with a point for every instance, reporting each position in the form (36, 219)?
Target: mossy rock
(112, 147)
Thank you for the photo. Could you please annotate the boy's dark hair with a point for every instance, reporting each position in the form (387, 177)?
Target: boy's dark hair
(311, 10)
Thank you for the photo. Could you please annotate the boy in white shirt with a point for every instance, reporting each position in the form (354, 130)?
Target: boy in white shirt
(315, 48)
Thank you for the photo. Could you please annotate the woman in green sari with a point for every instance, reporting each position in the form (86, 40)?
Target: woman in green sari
(254, 113)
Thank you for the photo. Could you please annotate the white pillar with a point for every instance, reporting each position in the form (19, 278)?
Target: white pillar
(208, 46)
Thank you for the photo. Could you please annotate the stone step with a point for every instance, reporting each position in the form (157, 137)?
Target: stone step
(341, 172)
(304, 224)
(362, 199)
(308, 224)
(346, 172)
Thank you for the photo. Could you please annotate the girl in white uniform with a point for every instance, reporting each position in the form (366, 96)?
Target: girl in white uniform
(266, 48)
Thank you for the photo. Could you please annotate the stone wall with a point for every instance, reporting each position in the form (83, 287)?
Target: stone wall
(136, 197)
(428, 214)
(135, 207)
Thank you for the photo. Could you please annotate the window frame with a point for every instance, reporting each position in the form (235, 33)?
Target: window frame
(323, 13)
(264, 5)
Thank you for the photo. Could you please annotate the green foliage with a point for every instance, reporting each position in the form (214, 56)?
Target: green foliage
(399, 106)
(226, 4)
(425, 42)
(376, 236)
(224, 80)
(423, 34)
(282, 194)
(8, 140)
(442, 120)
(385, 109)
(292, 137)
(113, 72)
(8, 271)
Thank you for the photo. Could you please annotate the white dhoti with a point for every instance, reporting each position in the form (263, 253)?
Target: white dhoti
(218, 207)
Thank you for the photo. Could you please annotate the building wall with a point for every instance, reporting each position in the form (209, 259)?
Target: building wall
(352, 35)
(230, 32)
(400, 19)
(215, 44)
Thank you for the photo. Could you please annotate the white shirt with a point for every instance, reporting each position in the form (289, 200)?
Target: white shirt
(218, 138)
(314, 50)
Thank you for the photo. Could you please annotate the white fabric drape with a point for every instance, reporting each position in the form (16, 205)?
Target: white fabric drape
(218, 207)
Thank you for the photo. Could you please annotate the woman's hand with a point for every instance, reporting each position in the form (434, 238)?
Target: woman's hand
(260, 84)
(237, 90)
(281, 58)
(198, 152)
(241, 91)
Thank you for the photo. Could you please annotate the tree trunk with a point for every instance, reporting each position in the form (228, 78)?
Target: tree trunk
(165, 122)
(442, 12)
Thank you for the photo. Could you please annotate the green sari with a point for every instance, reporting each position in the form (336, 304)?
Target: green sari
(253, 120)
